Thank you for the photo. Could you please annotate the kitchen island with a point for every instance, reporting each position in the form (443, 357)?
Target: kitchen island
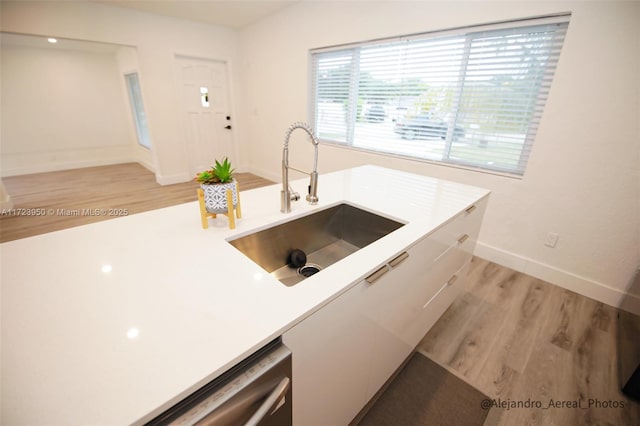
(113, 322)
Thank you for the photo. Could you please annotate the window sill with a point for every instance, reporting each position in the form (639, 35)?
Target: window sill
(420, 160)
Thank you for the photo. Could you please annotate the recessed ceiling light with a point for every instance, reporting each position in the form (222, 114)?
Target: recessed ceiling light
(52, 40)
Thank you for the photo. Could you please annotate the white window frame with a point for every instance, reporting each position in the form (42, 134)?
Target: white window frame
(352, 101)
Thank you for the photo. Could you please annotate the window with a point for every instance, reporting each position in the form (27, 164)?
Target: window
(204, 97)
(135, 96)
(472, 97)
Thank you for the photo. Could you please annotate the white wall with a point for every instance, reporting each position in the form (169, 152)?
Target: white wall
(583, 179)
(157, 40)
(61, 108)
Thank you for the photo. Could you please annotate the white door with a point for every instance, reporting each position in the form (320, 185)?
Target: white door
(206, 111)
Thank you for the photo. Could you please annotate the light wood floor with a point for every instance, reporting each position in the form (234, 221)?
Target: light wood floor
(518, 338)
(122, 186)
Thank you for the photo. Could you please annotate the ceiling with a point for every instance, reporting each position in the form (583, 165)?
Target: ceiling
(228, 13)
(27, 40)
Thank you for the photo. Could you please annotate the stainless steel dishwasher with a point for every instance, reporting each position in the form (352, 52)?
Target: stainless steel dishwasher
(257, 391)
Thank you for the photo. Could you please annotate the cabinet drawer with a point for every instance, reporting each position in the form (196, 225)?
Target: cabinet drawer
(451, 288)
(449, 248)
(459, 233)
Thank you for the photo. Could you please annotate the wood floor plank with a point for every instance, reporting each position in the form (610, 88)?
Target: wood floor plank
(504, 299)
(484, 276)
(526, 319)
(515, 342)
(447, 333)
(541, 382)
(496, 378)
(479, 337)
(562, 322)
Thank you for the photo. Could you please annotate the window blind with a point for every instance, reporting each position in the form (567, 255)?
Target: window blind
(472, 96)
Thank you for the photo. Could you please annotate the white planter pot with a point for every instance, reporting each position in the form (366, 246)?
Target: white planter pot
(215, 196)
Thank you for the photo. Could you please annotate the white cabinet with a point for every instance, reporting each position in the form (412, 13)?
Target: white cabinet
(398, 303)
(332, 352)
(448, 263)
(346, 351)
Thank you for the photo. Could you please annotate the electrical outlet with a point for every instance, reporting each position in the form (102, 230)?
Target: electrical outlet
(552, 240)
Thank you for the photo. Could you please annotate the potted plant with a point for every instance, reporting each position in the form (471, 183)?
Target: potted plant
(214, 183)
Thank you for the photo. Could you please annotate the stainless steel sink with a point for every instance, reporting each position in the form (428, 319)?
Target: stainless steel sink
(326, 237)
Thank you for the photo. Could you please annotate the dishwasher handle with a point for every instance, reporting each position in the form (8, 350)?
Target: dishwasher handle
(235, 409)
(270, 402)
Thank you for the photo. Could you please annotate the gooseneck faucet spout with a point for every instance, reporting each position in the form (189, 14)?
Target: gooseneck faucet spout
(287, 194)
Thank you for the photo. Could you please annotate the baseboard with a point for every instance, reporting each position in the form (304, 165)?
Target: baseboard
(565, 279)
(275, 177)
(146, 165)
(144, 158)
(15, 164)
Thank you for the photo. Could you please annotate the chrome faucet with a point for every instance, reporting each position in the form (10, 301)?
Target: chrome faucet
(287, 194)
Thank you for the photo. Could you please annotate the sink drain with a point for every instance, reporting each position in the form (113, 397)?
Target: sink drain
(308, 270)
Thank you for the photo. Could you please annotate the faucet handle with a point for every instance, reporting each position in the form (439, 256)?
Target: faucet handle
(293, 195)
(312, 198)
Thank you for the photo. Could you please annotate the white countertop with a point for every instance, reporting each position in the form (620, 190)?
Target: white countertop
(70, 353)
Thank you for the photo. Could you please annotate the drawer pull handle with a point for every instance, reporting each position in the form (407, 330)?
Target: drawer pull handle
(398, 260)
(470, 209)
(462, 239)
(452, 280)
(377, 274)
